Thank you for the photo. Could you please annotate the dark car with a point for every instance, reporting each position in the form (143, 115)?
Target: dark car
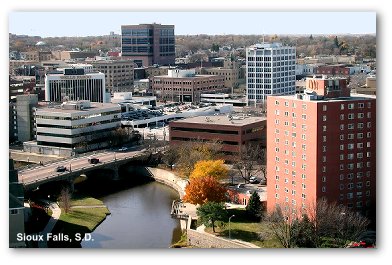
(61, 169)
(93, 160)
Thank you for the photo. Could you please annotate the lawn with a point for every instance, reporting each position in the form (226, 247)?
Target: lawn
(82, 200)
(85, 217)
(242, 228)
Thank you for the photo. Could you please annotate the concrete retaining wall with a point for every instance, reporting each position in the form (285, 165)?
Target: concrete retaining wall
(170, 179)
(204, 240)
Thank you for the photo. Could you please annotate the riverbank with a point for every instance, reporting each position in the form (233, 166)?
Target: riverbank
(85, 214)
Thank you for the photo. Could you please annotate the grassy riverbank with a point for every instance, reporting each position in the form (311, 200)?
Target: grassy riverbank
(84, 218)
(242, 228)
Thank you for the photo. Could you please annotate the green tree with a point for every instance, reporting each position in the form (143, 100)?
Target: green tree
(254, 207)
(212, 212)
(336, 42)
(304, 231)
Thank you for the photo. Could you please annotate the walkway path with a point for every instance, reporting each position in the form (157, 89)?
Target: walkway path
(88, 206)
(56, 212)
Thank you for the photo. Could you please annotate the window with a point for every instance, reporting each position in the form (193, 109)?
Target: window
(303, 186)
(350, 116)
(368, 134)
(361, 105)
(341, 147)
(324, 179)
(324, 159)
(303, 176)
(276, 102)
(369, 105)
(341, 177)
(368, 154)
(368, 183)
(350, 136)
(303, 127)
(350, 186)
(349, 195)
(359, 145)
(341, 157)
(360, 126)
(304, 116)
(350, 176)
(360, 115)
(360, 164)
(277, 112)
(324, 169)
(341, 187)
(368, 164)
(350, 166)
(359, 194)
(368, 193)
(359, 155)
(324, 117)
(369, 115)
(350, 126)
(303, 136)
(324, 107)
(341, 127)
(324, 128)
(351, 106)
(359, 135)
(341, 117)
(304, 106)
(350, 146)
(276, 186)
(369, 124)
(304, 147)
(324, 189)
(324, 148)
(368, 144)
(350, 156)
(359, 185)
(342, 106)
(303, 157)
(342, 137)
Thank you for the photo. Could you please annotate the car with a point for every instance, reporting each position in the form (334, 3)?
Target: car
(241, 186)
(253, 179)
(61, 169)
(93, 160)
(122, 149)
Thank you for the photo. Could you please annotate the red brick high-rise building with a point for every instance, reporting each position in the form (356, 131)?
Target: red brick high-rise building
(322, 145)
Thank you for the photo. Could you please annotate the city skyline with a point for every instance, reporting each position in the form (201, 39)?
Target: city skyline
(192, 23)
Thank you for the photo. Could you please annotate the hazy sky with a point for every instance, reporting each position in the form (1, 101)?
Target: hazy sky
(50, 24)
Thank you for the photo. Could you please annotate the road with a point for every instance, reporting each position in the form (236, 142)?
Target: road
(48, 170)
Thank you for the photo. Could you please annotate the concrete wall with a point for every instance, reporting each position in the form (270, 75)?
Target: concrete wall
(170, 179)
(204, 240)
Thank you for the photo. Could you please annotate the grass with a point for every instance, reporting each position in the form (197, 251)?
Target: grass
(245, 229)
(182, 243)
(82, 200)
(86, 217)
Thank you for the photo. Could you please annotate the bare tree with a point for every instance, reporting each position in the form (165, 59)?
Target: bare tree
(251, 160)
(171, 155)
(65, 199)
(282, 226)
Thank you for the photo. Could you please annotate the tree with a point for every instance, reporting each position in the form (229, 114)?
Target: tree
(204, 189)
(189, 153)
(119, 136)
(212, 212)
(322, 224)
(336, 42)
(254, 207)
(215, 47)
(65, 199)
(251, 156)
(170, 156)
(282, 226)
(213, 168)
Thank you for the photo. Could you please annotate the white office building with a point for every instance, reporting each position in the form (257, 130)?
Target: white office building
(77, 125)
(75, 84)
(270, 69)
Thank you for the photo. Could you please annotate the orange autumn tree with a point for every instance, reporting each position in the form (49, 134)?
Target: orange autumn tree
(204, 189)
(212, 168)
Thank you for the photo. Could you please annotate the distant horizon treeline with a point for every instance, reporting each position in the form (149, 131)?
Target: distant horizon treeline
(307, 45)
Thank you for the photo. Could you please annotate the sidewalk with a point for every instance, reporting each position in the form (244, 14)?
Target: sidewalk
(56, 212)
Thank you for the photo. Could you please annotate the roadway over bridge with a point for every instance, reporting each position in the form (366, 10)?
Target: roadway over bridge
(32, 178)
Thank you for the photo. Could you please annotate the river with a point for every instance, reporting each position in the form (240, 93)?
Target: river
(140, 218)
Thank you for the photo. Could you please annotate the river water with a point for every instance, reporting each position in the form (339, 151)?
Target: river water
(140, 218)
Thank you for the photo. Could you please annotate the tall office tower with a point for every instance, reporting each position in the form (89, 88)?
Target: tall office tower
(270, 69)
(321, 145)
(148, 44)
(75, 84)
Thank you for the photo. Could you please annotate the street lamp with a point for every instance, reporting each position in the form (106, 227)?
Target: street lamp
(229, 225)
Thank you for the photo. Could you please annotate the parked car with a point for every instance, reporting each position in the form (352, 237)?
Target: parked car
(61, 169)
(253, 180)
(93, 160)
(122, 149)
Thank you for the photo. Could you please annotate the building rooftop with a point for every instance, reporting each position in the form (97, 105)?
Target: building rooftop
(229, 120)
(56, 108)
(320, 99)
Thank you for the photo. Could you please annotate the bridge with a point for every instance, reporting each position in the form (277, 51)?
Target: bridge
(32, 178)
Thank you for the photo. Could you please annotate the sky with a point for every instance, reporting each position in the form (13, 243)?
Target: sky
(58, 24)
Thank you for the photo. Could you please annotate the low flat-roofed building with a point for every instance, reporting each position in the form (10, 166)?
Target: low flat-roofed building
(232, 131)
(185, 85)
(75, 125)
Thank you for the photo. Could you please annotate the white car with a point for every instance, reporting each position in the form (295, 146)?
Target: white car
(122, 149)
(252, 179)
